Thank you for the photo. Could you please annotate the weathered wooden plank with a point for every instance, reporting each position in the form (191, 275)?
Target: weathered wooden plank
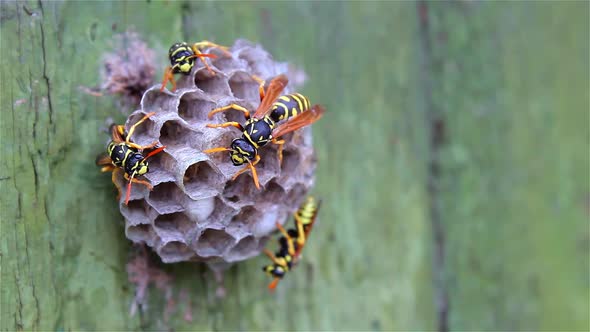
(346, 282)
(512, 91)
(512, 202)
(57, 212)
(58, 273)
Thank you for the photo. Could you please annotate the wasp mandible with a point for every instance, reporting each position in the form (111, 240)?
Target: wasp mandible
(122, 154)
(182, 59)
(262, 128)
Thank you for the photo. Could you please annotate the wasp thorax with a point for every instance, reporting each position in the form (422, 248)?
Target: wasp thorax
(242, 151)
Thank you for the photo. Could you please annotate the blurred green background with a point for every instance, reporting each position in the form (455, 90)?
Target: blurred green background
(453, 165)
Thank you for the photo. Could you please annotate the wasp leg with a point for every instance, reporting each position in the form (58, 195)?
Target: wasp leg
(136, 180)
(121, 130)
(132, 179)
(280, 143)
(114, 179)
(205, 43)
(168, 77)
(228, 107)
(143, 147)
(261, 84)
(278, 261)
(132, 129)
(273, 258)
(144, 182)
(300, 232)
(226, 124)
(290, 244)
(251, 166)
(201, 56)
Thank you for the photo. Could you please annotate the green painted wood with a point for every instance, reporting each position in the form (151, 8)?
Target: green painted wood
(513, 92)
(508, 81)
(63, 250)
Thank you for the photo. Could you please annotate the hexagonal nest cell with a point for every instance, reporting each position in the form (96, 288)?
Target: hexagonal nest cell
(195, 211)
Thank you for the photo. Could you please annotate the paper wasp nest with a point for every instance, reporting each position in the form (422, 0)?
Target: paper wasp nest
(195, 212)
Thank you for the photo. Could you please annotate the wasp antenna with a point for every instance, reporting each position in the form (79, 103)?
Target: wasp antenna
(217, 150)
(203, 55)
(128, 193)
(273, 284)
(156, 151)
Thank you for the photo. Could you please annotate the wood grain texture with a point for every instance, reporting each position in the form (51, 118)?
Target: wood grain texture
(513, 96)
(508, 84)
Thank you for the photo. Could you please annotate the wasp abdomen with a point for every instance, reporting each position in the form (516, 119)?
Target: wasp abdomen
(307, 212)
(288, 106)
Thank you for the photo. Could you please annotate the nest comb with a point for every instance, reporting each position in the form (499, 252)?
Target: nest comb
(195, 212)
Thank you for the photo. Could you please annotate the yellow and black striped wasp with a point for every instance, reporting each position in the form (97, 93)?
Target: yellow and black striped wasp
(262, 128)
(124, 155)
(292, 241)
(182, 60)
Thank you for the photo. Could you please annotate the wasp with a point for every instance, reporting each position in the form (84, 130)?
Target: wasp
(292, 241)
(182, 59)
(124, 155)
(261, 128)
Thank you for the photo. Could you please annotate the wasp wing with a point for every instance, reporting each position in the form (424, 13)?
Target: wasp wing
(118, 133)
(274, 90)
(306, 118)
(103, 160)
(105, 163)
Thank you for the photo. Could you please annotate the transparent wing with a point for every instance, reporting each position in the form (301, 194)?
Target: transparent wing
(304, 119)
(118, 133)
(103, 160)
(274, 90)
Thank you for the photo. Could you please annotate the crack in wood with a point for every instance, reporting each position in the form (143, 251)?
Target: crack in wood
(436, 130)
(18, 322)
(45, 76)
(31, 277)
(35, 177)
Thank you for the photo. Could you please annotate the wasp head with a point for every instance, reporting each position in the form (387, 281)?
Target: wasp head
(241, 151)
(181, 58)
(274, 270)
(137, 164)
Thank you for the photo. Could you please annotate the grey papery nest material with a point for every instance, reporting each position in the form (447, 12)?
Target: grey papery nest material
(128, 71)
(195, 212)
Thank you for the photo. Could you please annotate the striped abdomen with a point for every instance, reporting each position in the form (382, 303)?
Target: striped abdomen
(308, 211)
(288, 106)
